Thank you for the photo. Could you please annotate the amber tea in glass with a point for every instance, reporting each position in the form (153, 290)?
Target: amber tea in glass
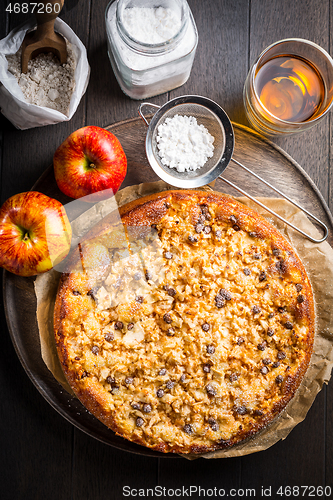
(290, 88)
(287, 92)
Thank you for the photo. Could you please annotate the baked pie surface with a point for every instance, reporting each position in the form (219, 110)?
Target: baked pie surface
(188, 328)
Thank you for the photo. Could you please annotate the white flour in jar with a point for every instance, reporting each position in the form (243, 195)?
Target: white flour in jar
(183, 144)
(151, 25)
(142, 62)
(47, 83)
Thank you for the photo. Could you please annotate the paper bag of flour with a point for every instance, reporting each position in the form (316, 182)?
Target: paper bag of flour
(12, 101)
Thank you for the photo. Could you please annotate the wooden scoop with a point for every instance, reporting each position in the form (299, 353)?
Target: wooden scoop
(44, 38)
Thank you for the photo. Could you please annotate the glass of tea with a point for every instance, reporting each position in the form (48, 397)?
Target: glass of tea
(289, 87)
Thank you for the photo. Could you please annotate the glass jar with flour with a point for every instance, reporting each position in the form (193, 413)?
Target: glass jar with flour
(151, 45)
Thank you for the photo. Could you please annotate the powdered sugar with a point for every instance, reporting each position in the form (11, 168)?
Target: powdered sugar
(151, 25)
(47, 83)
(183, 144)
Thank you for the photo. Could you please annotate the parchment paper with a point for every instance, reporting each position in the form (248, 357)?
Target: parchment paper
(318, 260)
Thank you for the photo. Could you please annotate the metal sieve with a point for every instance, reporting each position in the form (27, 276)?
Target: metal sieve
(207, 113)
(218, 124)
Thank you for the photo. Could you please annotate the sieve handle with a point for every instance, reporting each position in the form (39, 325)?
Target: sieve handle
(319, 222)
(141, 112)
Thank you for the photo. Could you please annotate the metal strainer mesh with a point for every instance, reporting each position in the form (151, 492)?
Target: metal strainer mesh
(205, 117)
(208, 114)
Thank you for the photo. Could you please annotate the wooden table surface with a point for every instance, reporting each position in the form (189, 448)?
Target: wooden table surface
(42, 456)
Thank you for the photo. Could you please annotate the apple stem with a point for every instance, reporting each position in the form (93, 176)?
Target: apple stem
(26, 237)
(92, 165)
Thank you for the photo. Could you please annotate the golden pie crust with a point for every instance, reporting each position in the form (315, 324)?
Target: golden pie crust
(188, 327)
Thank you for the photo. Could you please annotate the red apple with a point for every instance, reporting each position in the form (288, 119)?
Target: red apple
(91, 160)
(35, 233)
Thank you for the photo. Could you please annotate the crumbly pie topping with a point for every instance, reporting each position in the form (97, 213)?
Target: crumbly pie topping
(192, 336)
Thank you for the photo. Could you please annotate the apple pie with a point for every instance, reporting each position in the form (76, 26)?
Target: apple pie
(187, 325)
